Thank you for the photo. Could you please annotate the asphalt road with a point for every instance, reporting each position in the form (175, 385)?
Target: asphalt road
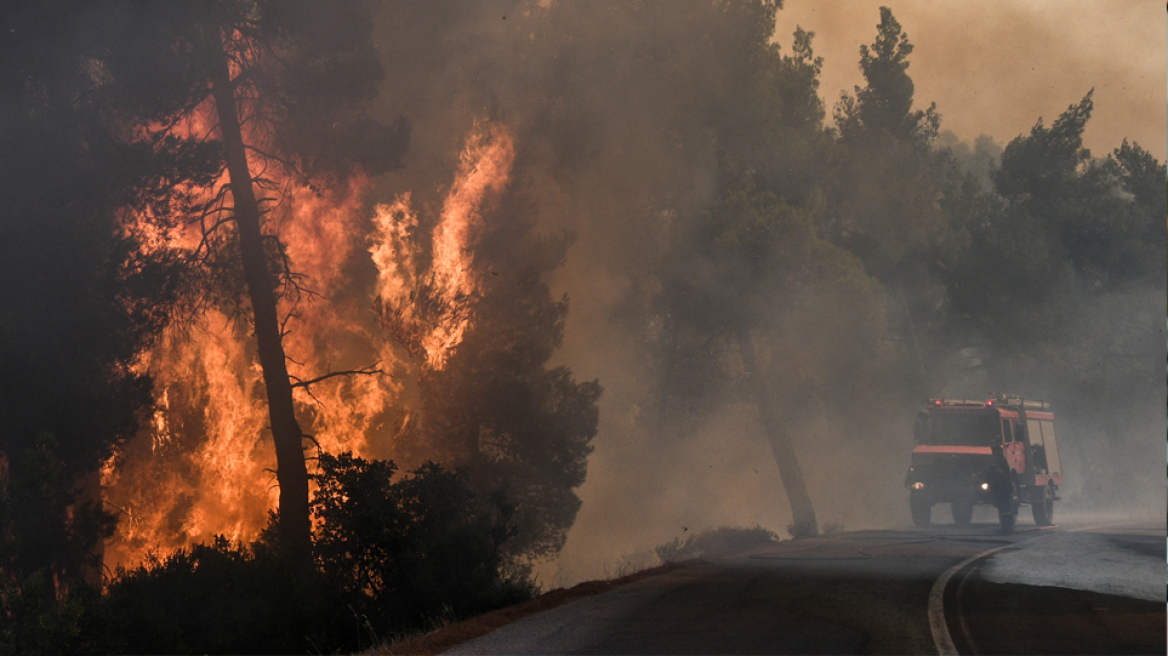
(1080, 588)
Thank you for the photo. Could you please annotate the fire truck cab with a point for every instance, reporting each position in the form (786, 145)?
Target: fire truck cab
(1001, 451)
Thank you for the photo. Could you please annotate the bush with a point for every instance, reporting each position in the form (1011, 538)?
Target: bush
(228, 598)
(36, 619)
(714, 542)
(391, 558)
(408, 552)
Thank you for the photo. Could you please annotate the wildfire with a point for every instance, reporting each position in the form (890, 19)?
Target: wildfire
(203, 465)
(430, 313)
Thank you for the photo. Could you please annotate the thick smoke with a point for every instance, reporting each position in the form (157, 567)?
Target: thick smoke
(630, 131)
(612, 110)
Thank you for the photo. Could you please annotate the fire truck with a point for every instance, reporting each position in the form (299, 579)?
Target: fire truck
(1001, 451)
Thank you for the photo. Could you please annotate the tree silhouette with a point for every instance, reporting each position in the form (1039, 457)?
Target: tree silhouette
(82, 295)
(284, 70)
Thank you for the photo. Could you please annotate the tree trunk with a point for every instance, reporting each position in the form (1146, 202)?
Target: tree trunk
(802, 512)
(912, 336)
(295, 531)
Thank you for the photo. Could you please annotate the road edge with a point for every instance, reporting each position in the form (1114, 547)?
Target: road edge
(940, 629)
(441, 639)
(941, 636)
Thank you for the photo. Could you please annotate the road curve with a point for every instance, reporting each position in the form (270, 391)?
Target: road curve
(1086, 590)
(869, 592)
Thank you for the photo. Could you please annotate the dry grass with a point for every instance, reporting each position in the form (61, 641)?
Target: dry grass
(446, 637)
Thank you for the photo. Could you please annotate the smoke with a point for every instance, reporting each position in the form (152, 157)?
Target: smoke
(615, 156)
(616, 114)
(611, 110)
(1109, 364)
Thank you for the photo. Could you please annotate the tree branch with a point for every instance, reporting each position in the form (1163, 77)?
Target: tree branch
(371, 370)
(290, 166)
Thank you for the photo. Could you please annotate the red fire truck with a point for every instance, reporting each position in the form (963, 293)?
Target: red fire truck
(1001, 451)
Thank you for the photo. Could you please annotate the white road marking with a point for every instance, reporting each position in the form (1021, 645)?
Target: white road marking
(941, 636)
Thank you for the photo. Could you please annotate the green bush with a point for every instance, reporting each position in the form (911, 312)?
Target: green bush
(391, 558)
(408, 552)
(36, 618)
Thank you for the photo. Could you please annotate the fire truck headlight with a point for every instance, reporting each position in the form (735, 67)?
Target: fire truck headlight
(918, 485)
(985, 486)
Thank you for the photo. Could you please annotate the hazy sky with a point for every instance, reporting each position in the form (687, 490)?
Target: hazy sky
(995, 66)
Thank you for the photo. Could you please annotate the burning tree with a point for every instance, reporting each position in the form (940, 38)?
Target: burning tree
(81, 296)
(475, 311)
(315, 254)
(282, 86)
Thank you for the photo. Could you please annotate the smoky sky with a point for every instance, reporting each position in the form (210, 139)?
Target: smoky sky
(995, 66)
(619, 156)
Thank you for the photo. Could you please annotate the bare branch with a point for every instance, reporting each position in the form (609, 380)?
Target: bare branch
(215, 202)
(310, 394)
(290, 166)
(264, 183)
(284, 330)
(371, 370)
(312, 438)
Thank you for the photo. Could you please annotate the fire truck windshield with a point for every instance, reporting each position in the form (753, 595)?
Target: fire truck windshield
(964, 429)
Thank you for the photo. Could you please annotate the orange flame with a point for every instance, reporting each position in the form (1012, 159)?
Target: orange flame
(203, 465)
(483, 173)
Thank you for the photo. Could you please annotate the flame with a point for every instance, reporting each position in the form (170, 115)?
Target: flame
(431, 312)
(203, 440)
(203, 464)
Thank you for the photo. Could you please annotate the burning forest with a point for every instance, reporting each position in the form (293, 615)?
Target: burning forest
(412, 309)
(200, 468)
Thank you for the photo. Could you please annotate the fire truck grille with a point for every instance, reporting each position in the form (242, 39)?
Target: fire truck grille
(950, 469)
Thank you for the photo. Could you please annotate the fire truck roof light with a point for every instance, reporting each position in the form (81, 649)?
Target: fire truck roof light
(958, 402)
(994, 400)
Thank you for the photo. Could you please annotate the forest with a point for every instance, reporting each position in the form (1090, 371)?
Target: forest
(287, 285)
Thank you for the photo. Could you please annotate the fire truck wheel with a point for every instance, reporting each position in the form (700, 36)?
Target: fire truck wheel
(1008, 515)
(921, 509)
(1044, 509)
(1007, 522)
(962, 512)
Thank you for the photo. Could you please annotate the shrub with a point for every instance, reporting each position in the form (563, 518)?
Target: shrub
(228, 598)
(391, 557)
(37, 619)
(714, 542)
(410, 551)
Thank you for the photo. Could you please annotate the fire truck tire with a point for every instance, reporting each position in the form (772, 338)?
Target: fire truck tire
(1007, 522)
(1009, 515)
(921, 509)
(962, 512)
(1044, 507)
